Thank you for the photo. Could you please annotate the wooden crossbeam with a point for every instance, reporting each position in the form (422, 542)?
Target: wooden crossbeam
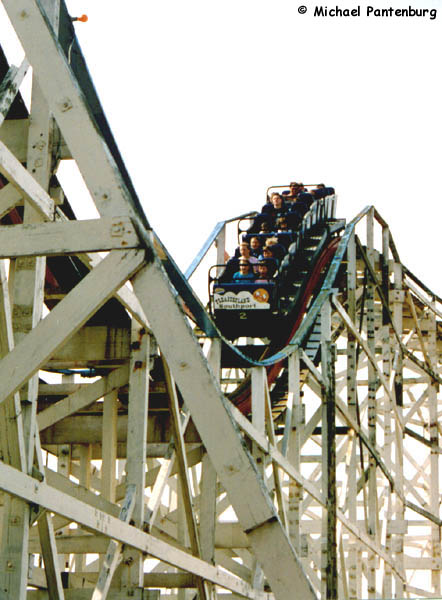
(113, 553)
(83, 398)
(67, 317)
(23, 486)
(235, 467)
(25, 184)
(183, 472)
(9, 198)
(9, 87)
(163, 473)
(67, 237)
(67, 104)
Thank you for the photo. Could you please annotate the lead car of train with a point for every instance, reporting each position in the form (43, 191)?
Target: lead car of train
(300, 223)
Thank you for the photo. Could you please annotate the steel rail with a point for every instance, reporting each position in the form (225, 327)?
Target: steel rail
(210, 240)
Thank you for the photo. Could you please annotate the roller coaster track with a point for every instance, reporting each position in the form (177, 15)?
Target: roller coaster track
(142, 454)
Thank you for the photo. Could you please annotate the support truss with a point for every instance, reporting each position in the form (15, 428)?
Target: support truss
(146, 481)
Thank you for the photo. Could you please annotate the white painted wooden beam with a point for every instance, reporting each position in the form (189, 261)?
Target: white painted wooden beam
(83, 398)
(109, 445)
(211, 413)
(184, 473)
(102, 345)
(67, 237)
(113, 553)
(69, 108)
(23, 486)
(124, 294)
(17, 515)
(161, 474)
(67, 317)
(14, 134)
(208, 481)
(309, 486)
(9, 87)
(371, 357)
(85, 594)
(23, 181)
(131, 572)
(228, 535)
(270, 426)
(10, 197)
(49, 551)
(78, 491)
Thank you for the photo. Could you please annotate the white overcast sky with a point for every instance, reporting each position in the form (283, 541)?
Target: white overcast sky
(211, 102)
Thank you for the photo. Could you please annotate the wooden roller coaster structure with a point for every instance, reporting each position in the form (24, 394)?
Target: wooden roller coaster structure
(127, 470)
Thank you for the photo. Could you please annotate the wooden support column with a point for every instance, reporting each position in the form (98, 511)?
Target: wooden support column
(163, 473)
(258, 410)
(109, 446)
(387, 339)
(13, 557)
(259, 377)
(262, 422)
(12, 445)
(2, 501)
(372, 410)
(9, 198)
(433, 387)
(132, 567)
(208, 509)
(14, 534)
(29, 278)
(64, 468)
(84, 479)
(7, 446)
(113, 553)
(47, 538)
(329, 574)
(26, 312)
(21, 363)
(352, 398)
(46, 534)
(188, 515)
(182, 529)
(399, 509)
(49, 549)
(293, 430)
(208, 482)
(9, 87)
(209, 478)
(67, 317)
